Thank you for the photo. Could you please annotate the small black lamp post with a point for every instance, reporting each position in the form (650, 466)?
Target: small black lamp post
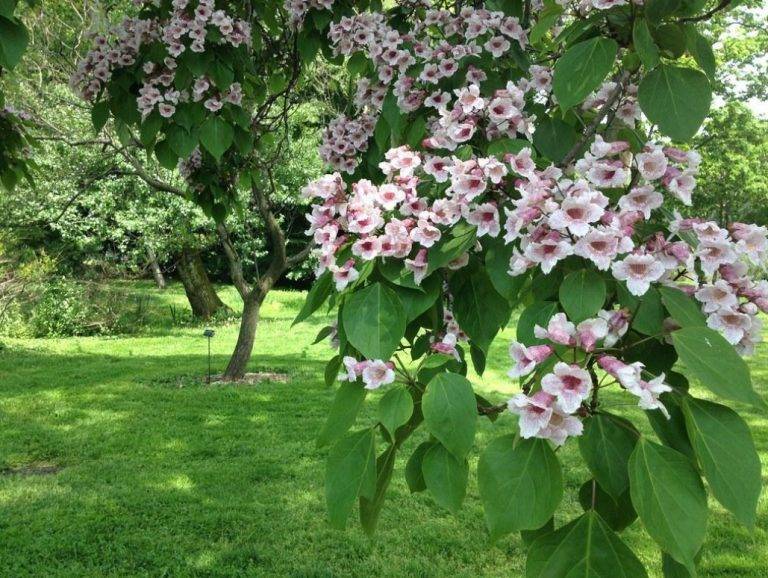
(209, 333)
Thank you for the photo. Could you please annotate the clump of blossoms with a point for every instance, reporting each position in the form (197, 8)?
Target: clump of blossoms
(509, 198)
(188, 27)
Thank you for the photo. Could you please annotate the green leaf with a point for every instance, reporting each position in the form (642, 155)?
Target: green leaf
(371, 508)
(582, 295)
(727, 455)
(497, 258)
(617, 513)
(450, 412)
(216, 135)
(682, 308)
(221, 74)
(331, 371)
(520, 484)
(647, 311)
(606, 444)
(582, 69)
(546, 20)
(530, 536)
(181, 140)
(657, 10)
(504, 146)
(318, 294)
(350, 472)
(478, 307)
(672, 569)
(395, 408)
(414, 475)
(445, 476)
(538, 313)
(554, 138)
(346, 405)
(14, 39)
(671, 431)
(277, 83)
(415, 302)
(391, 113)
(165, 155)
(309, 45)
(644, 45)
(7, 8)
(700, 48)
(100, 115)
(394, 272)
(715, 363)
(416, 132)
(374, 321)
(451, 246)
(670, 499)
(677, 99)
(586, 548)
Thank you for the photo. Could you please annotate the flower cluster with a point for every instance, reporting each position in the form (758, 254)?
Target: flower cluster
(627, 109)
(553, 411)
(730, 298)
(187, 27)
(556, 216)
(470, 33)
(298, 9)
(344, 139)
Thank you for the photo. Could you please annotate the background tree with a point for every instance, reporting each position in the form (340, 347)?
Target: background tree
(734, 180)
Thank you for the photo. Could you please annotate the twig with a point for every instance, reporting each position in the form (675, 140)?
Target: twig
(602, 113)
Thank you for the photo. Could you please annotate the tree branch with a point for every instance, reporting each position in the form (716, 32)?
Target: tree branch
(233, 260)
(602, 113)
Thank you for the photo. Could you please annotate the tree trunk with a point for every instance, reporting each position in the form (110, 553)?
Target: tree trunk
(238, 363)
(157, 273)
(200, 292)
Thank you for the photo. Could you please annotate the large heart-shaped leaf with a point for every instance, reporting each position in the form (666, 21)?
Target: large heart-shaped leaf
(350, 472)
(670, 499)
(520, 484)
(216, 135)
(346, 405)
(395, 408)
(582, 69)
(676, 99)
(586, 548)
(374, 321)
(714, 362)
(606, 444)
(450, 412)
(479, 309)
(582, 294)
(445, 476)
(727, 455)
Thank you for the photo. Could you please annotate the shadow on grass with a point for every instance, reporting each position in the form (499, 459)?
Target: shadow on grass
(161, 475)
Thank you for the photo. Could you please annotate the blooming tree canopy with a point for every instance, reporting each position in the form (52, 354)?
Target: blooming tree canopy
(527, 155)
(14, 145)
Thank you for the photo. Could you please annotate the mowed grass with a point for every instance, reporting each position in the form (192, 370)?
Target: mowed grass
(117, 460)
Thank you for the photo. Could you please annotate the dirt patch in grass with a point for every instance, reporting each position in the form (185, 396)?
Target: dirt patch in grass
(253, 378)
(31, 470)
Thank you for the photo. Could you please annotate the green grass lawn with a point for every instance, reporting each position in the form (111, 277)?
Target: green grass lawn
(115, 460)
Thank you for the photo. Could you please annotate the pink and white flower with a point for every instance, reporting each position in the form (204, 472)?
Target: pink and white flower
(377, 373)
(570, 384)
(639, 271)
(527, 358)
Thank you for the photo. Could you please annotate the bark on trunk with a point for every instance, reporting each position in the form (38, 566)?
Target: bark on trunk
(157, 273)
(238, 363)
(200, 292)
